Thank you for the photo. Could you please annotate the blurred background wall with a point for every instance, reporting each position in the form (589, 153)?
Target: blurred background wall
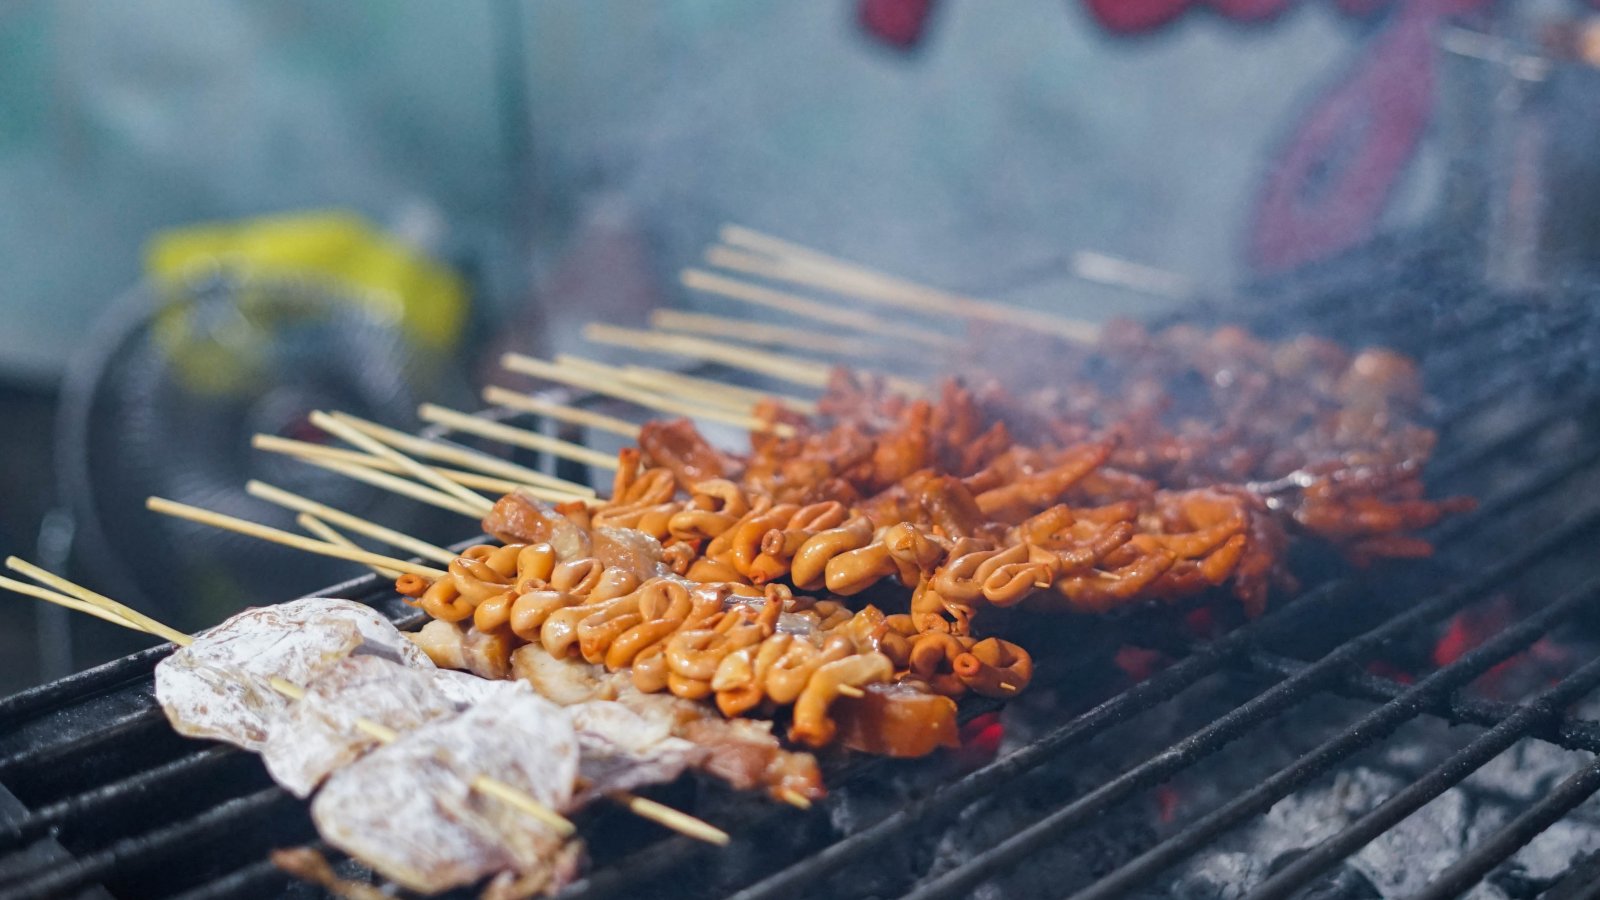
(567, 158)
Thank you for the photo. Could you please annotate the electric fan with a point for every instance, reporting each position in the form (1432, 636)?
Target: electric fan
(164, 398)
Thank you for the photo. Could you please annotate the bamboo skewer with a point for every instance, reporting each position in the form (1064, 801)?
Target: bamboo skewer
(719, 406)
(72, 603)
(812, 274)
(461, 456)
(806, 372)
(796, 263)
(704, 325)
(53, 580)
(311, 453)
(667, 817)
(392, 484)
(587, 380)
(572, 415)
(288, 539)
(518, 437)
(357, 524)
(795, 798)
(806, 308)
(327, 533)
(693, 387)
(721, 396)
(344, 430)
(105, 608)
(798, 370)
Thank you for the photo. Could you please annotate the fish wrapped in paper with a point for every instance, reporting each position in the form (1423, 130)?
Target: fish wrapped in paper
(319, 733)
(465, 689)
(218, 687)
(409, 810)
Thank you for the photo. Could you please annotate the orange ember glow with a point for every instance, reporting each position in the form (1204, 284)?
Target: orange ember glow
(981, 737)
(1139, 663)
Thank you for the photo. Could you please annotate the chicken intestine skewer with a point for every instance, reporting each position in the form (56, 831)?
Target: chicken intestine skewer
(694, 641)
(1085, 558)
(737, 644)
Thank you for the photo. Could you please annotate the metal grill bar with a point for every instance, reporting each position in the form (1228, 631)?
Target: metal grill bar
(1216, 735)
(1215, 657)
(254, 878)
(1438, 780)
(1161, 687)
(204, 764)
(75, 687)
(1573, 734)
(113, 733)
(156, 845)
(1578, 787)
(1458, 465)
(1461, 365)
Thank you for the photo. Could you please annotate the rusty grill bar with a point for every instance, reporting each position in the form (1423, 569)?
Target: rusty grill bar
(110, 803)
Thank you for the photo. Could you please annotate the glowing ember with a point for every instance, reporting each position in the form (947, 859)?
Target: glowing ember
(1139, 663)
(1385, 669)
(1470, 628)
(1167, 803)
(981, 737)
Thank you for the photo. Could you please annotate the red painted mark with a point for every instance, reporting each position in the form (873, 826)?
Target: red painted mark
(1329, 187)
(898, 23)
(1328, 190)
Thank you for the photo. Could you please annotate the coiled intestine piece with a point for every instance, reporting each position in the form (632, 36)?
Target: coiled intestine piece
(1024, 496)
(530, 611)
(958, 580)
(1097, 591)
(1007, 581)
(994, 668)
(740, 679)
(778, 546)
(442, 600)
(789, 673)
(719, 546)
(535, 564)
(808, 569)
(639, 499)
(494, 614)
(745, 537)
(932, 659)
(811, 722)
(711, 571)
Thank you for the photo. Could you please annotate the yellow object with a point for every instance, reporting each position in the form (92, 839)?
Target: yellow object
(337, 251)
(429, 299)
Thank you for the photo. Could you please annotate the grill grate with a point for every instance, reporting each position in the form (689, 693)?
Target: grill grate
(108, 797)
